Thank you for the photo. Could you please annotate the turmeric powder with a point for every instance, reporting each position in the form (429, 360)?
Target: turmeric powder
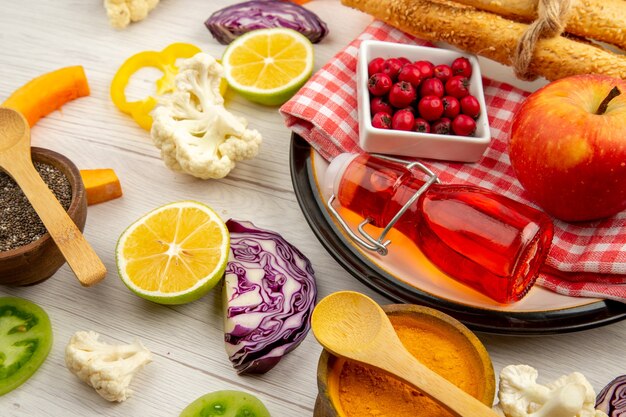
(365, 392)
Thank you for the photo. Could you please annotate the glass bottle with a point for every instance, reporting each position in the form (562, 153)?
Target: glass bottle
(487, 241)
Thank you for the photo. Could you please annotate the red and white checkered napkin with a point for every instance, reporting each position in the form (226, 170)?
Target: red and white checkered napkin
(586, 260)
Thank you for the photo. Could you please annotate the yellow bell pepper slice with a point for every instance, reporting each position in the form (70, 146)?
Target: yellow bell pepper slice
(165, 61)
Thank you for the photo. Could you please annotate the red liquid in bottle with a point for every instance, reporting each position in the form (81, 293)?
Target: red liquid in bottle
(483, 239)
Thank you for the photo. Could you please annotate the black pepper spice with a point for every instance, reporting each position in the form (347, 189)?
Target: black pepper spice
(19, 223)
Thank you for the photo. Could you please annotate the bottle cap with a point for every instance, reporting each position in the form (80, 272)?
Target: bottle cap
(334, 173)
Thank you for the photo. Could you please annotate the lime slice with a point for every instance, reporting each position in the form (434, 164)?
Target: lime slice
(174, 254)
(268, 66)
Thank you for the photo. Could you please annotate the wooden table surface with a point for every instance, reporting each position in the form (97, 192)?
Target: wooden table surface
(187, 340)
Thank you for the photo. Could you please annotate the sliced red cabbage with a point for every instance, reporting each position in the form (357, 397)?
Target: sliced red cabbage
(227, 24)
(612, 398)
(269, 294)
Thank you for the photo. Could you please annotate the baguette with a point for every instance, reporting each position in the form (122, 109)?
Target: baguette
(601, 20)
(491, 36)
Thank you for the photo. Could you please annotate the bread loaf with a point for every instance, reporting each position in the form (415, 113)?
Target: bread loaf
(601, 20)
(491, 36)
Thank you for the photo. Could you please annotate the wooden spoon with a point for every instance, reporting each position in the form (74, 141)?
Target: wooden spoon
(15, 159)
(353, 326)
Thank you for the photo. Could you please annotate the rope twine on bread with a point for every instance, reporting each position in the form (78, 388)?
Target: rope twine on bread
(551, 18)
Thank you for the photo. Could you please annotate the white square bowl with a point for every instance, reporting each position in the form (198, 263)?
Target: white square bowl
(416, 144)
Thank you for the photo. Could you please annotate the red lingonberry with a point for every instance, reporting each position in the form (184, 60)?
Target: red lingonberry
(458, 86)
(404, 60)
(374, 66)
(380, 104)
(463, 125)
(392, 67)
(461, 66)
(411, 74)
(430, 108)
(470, 106)
(425, 67)
(402, 94)
(431, 87)
(403, 120)
(442, 72)
(421, 125)
(451, 106)
(409, 109)
(382, 120)
(379, 84)
(441, 126)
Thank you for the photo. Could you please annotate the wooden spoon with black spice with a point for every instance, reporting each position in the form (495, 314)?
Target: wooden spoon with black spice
(16, 161)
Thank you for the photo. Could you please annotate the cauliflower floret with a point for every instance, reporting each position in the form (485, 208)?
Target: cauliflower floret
(587, 393)
(521, 396)
(193, 129)
(107, 368)
(122, 12)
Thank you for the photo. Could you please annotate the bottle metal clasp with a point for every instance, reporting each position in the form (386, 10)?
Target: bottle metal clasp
(363, 238)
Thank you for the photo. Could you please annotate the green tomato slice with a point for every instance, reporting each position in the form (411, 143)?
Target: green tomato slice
(25, 341)
(226, 404)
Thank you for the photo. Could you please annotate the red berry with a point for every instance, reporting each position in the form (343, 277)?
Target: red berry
(470, 106)
(441, 126)
(403, 120)
(402, 94)
(379, 84)
(458, 86)
(461, 66)
(404, 60)
(380, 104)
(430, 108)
(382, 120)
(421, 126)
(409, 109)
(425, 67)
(375, 65)
(463, 125)
(431, 87)
(451, 106)
(411, 74)
(442, 72)
(392, 67)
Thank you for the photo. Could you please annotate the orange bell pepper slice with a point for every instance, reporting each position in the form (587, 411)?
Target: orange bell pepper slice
(48, 92)
(165, 61)
(101, 185)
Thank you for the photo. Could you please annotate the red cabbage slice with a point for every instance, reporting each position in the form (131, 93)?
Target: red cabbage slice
(612, 398)
(227, 24)
(269, 294)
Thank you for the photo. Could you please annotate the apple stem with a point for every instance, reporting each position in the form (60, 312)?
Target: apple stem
(605, 103)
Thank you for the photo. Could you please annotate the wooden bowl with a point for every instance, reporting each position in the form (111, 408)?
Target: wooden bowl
(39, 260)
(429, 321)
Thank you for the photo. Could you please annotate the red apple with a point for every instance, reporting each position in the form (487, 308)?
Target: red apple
(568, 147)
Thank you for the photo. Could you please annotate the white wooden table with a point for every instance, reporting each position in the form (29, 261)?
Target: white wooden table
(37, 36)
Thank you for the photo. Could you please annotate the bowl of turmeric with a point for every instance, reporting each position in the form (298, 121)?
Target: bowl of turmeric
(348, 389)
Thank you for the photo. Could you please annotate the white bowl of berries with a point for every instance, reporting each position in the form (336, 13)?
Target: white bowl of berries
(420, 101)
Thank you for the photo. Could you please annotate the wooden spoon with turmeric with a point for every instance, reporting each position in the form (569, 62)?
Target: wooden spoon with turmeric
(353, 326)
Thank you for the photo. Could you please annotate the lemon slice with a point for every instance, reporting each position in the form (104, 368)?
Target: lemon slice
(268, 66)
(175, 254)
